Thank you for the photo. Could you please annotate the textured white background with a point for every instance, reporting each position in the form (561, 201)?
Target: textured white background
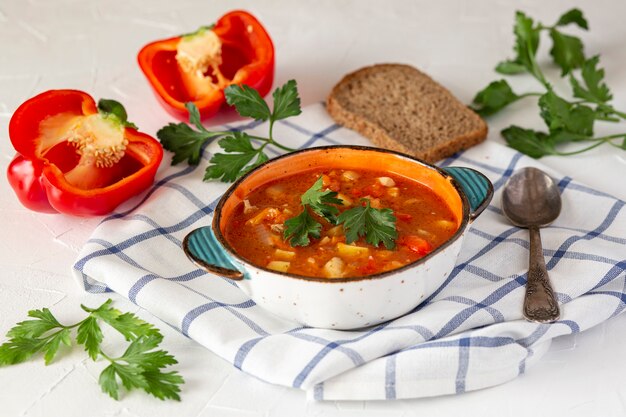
(92, 45)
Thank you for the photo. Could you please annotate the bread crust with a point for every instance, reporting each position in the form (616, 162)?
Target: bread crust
(362, 121)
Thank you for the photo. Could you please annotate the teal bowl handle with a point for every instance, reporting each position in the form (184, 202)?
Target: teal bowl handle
(203, 248)
(477, 188)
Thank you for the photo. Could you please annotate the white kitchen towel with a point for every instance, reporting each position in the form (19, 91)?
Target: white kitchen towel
(468, 335)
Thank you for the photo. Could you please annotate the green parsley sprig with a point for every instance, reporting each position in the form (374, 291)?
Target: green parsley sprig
(299, 229)
(140, 366)
(376, 225)
(240, 154)
(566, 120)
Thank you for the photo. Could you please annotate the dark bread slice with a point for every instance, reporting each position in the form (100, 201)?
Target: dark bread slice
(399, 107)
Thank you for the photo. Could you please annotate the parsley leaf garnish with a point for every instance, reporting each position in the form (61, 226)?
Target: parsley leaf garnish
(510, 67)
(567, 121)
(26, 338)
(529, 142)
(44, 322)
(286, 101)
(573, 16)
(560, 115)
(128, 324)
(240, 154)
(248, 102)
(185, 142)
(595, 90)
(376, 225)
(567, 51)
(139, 367)
(299, 228)
(526, 44)
(320, 201)
(90, 335)
(494, 98)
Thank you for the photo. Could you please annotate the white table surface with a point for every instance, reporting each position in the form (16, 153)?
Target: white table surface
(92, 45)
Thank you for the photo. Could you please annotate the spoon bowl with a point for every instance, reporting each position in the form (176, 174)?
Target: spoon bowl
(531, 199)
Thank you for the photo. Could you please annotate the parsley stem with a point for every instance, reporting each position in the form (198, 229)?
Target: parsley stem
(270, 141)
(521, 96)
(614, 144)
(71, 326)
(620, 114)
(283, 147)
(542, 27)
(273, 142)
(271, 128)
(536, 71)
(607, 119)
(580, 150)
(214, 134)
(609, 137)
(258, 151)
(107, 357)
(600, 103)
(51, 335)
(599, 141)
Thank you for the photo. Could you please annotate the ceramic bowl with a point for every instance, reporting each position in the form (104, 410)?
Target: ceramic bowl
(342, 303)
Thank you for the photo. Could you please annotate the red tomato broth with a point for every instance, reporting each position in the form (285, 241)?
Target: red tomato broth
(424, 221)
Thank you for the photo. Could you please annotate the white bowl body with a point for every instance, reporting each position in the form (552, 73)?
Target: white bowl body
(351, 304)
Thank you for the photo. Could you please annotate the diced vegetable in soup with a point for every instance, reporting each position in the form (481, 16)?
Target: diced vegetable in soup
(339, 223)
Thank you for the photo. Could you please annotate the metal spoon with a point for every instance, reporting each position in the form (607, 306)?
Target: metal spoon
(532, 200)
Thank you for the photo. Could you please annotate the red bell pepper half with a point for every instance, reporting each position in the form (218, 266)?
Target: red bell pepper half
(76, 158)
(198, 66)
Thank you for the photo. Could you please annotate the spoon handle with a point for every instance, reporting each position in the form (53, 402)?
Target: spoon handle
(540, 304)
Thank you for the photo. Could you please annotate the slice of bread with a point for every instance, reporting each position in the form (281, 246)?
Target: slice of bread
(398, 107)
